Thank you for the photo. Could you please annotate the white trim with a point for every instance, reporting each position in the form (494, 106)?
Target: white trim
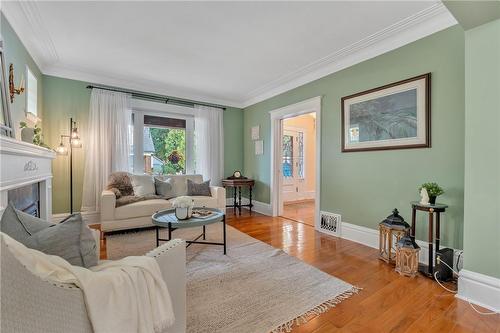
(479, 289)
(25, 18)
(27, 22)
(419, 25)
(88, 217)
(259, 207)
(370, 237)
(297, 109)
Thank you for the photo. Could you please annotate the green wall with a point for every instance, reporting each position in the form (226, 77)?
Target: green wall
(365, 186)
(482, 150)
(65, 98)
(16, 53)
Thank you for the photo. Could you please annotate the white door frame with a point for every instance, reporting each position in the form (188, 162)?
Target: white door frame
(277, 115)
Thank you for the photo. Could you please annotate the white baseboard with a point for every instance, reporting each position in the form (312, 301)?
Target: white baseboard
(479, 289)
(259, 207)
(370, 237)
(88, 217)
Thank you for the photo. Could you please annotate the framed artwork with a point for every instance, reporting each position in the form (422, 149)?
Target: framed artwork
(394, 116)
(5, 116)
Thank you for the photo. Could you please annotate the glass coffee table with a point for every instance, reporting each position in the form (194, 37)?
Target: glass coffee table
(166, 219)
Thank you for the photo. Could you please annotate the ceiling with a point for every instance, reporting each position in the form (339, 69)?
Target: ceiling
(231, 53)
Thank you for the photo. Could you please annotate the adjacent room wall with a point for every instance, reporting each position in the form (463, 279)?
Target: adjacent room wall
(365, 186)
(482, 150)
(16, 53)
(65, 98)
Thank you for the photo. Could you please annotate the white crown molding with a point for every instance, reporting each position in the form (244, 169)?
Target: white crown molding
(87, 75)
(432, 19)
(25, 19)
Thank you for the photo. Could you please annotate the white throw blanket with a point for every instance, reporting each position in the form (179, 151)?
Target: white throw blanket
(127, 295)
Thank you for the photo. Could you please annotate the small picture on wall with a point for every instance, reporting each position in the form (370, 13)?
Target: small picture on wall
(394, 116)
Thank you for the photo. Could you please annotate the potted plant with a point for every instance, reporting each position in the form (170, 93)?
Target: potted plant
(183, 207)
(433, 191)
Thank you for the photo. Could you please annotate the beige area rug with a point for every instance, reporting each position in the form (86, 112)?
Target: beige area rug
(255, 288)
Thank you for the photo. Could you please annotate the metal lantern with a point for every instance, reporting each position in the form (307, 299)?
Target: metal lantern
(391, 230)
(407, 252)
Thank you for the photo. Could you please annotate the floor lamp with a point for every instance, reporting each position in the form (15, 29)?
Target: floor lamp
(74, 142)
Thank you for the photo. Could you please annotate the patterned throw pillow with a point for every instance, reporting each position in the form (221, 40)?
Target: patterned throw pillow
(201, 189)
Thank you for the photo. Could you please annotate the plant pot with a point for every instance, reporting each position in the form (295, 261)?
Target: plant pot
(432, 199)
(183, 213)
(27, 134)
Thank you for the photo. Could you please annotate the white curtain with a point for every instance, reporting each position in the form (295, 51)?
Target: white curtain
(209, 143)
(107, 146)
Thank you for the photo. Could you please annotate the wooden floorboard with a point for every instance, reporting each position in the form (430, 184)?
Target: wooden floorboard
(388, 302)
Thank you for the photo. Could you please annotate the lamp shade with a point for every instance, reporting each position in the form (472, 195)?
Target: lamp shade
(76, 143)
(62, 149)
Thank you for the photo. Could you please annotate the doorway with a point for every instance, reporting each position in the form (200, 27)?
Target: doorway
(295, 161)
(298, 167)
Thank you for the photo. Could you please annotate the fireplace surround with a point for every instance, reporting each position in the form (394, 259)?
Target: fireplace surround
(26, 177)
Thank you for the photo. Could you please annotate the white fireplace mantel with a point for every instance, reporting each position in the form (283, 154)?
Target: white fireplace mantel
(21, 164)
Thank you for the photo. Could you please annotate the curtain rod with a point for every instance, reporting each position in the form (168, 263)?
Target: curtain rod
(157, 98)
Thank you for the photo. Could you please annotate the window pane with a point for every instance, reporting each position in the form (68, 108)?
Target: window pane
(287, 161)
(300, 159)
(164, 150)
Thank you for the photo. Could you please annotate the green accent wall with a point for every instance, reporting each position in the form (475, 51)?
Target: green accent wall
(64, 98)
(16, 54)
(365, 186)
(482, 150)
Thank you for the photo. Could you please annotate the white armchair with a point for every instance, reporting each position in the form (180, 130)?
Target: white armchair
(30, 304)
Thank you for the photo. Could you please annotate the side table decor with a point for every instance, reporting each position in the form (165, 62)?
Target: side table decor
(167, 219)
(394, 226)
(407, 252)
(183, 207)
(429, 192)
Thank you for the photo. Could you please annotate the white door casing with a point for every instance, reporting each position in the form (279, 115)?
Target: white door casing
(277, 116)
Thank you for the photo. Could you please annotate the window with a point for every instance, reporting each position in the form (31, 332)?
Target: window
(287, 163)
(31, 93)
(162, 143)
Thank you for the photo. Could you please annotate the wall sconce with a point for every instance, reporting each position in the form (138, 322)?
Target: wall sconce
(74, 142)
(12, 88)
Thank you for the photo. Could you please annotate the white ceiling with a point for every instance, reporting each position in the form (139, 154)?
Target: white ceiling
(232, 53)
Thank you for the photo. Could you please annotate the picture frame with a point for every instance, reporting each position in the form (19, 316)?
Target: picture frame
(393, 116)
(5, 115)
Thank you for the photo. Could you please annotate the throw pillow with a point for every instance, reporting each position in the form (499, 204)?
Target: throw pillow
(143, 184)
(165, 188)
(20, 225)
(121, 181)
(202, 189)
(71, 240)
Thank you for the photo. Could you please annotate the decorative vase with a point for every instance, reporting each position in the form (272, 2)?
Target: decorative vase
(27, 134)
(183, 213)
(432, 199)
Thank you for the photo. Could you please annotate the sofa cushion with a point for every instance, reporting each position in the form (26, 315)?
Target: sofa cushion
(121, 182)
(143, 184)
(164, 188)
(141, 208)
(195, 189)
(20, 225)
(203, 201)
(180, 182)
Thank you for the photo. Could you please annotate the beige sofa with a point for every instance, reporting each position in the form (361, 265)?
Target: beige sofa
(138, 214)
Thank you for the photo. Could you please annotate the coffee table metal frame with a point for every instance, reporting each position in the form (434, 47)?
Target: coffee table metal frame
(166, 219)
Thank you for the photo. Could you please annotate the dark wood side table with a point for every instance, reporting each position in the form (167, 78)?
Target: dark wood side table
(437, 209)
(236, 184)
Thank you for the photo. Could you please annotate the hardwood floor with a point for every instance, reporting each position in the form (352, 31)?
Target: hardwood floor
(300, 211)
(388, 302)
